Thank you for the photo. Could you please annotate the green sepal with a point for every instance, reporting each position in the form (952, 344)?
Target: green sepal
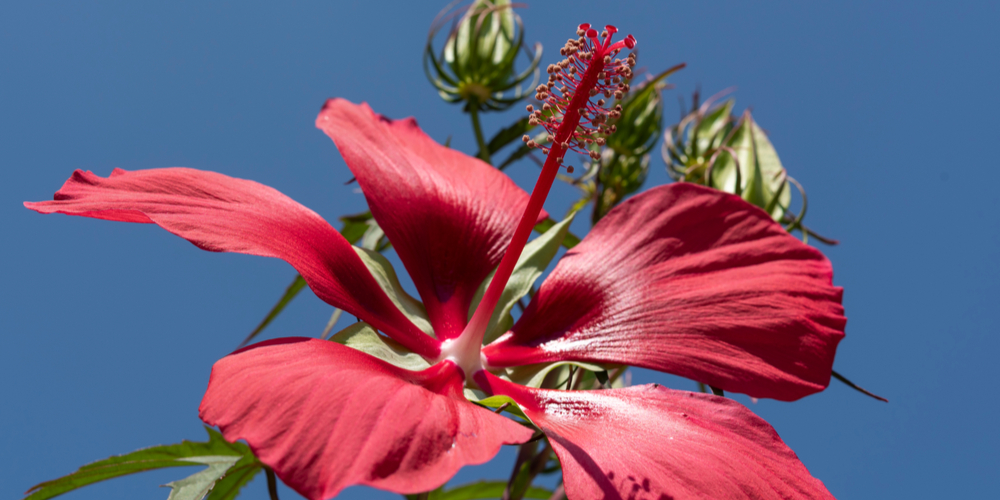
(216, 452)
(363, 337)
(355, 226)
(494, 402)
(707, 135)
(762, 177)
(535, 375)
(381, 269)
(534, 259)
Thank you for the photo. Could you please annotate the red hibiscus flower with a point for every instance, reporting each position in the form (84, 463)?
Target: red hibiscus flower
(681, 279)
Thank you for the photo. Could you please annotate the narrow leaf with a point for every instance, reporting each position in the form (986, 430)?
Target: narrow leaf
(197, 485)
(293, 289)
(569, 241)
(506, 136)
(518, 153)
(229, 487)
(186, 453)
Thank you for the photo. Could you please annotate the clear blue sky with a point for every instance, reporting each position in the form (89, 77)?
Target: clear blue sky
(886, 112)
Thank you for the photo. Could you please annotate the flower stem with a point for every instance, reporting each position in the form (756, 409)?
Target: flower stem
(484, 152)
(272, 483)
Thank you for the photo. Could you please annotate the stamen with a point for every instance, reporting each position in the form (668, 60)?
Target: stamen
(574, 122)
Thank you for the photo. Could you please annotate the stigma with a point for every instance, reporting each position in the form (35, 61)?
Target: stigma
(591, 69)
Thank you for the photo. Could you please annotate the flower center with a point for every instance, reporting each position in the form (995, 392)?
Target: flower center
(572, 122)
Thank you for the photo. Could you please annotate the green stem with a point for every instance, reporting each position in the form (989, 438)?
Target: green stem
(272, 483)
(484, 152)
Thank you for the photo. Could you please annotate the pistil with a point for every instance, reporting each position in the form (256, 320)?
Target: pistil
(574, 123)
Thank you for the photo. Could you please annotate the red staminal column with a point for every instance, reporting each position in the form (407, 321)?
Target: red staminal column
(573, 122)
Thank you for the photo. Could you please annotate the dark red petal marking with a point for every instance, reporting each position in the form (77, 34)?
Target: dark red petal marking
(325, 416)
(222, 214)
(650, 442)
(448, 215)
(692, 281)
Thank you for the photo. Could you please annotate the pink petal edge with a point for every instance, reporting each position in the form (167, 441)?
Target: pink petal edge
(325, 416)
(449, 216)
(223, 214)
(650, 442)
(691, 281)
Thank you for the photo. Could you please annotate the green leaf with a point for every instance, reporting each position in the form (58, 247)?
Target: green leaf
(569, 241)
(518, 153)
(484, 489)
(293, 289)
(506, 136)
(530, 265)
(363, 337)
(386, 277)
(186, 453)
(197, 485)
(228, 488)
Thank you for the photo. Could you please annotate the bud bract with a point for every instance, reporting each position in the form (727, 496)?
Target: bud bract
(624, 163)
(712, 147)
(476, 64)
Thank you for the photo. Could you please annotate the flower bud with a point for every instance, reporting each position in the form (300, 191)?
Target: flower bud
(476, 64)
(712, 147)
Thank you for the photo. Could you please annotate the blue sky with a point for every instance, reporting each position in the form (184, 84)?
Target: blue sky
(886, 112)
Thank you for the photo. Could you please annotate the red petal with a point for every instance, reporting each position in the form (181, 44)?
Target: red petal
(449, 216)
(691, 281)
(223, 214)
(325, 416)
(653, 442)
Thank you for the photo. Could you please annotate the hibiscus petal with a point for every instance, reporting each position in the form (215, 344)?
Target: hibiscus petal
(449, 216)
(650, 442)
(222, 214)
(325, 416)
(691, 281)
